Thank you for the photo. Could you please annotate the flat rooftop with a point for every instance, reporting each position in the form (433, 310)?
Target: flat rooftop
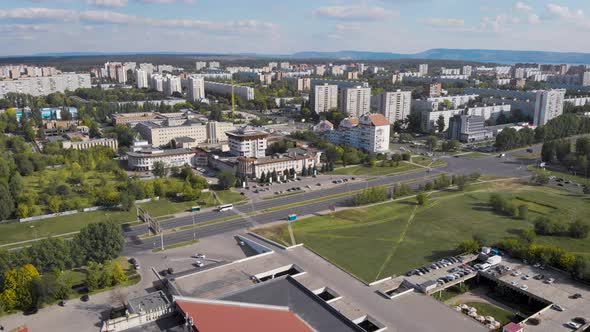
(287, 292)
(149, 302)
(353, 299)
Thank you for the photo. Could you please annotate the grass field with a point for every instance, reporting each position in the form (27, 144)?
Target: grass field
(391, 238)
(165, 207)
(567, 176)
(486, 309)
(475, 155)
(16, 232)
(375, 171)
(425, 161)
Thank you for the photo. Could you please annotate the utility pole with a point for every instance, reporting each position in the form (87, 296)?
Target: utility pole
(194, 232)
(162, 240)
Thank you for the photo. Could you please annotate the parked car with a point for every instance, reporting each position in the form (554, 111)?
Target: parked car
(549, 281)
(576, 296)
(524, 287)
(85, 298)
(199, 264)
(573, 325)
(557, 307)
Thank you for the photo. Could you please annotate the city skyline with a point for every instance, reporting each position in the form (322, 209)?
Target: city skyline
(42, 26)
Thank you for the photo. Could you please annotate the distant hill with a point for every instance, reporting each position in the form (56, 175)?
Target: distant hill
(498, 56)
(466, 55)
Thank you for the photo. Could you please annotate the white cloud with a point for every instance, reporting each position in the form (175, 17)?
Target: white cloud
(360, 12)
(110, 17)
(349, 27)
(445, 22)
(576, 17)
(533, 19)
(523, 7)
(108, 3)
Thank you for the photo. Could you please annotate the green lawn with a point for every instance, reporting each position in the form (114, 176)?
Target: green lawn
(165, 207)
(390, 239)
(16, 232)
(567, 176)
(486, 309)
(375, 171)
(475, 155)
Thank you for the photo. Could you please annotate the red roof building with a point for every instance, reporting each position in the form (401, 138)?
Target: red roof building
(216, 316)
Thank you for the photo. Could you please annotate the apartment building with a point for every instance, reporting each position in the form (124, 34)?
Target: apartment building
(468, 128)
(395, 106)
(370, 132)
(42, 86)
(423, 69)
(325, 98)
(141, 79)
(355, 101)
(172, 84)
(196, 88)
(200, 65)
(244, 92)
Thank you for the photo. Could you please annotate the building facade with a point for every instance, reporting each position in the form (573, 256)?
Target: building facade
(370, 132)
(244, 92)
(83, 145)
(395, 106)
(355, 101)
(144, 159)
(247, 143)
(196, 88)
(325, 98)
(42, 86)
(468, 128)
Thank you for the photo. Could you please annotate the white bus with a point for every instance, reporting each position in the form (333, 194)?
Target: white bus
(225, 207)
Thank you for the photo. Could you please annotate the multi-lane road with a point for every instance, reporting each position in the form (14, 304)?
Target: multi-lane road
(251, 214)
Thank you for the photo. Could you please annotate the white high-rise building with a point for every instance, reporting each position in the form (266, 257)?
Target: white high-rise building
(325, 98)
(196, 88)
(370, 132)
(586, 78)
(548, 105)
(172, 84)
(121, 74)
(423, 69)
(395, 106)
(355, 101)
(200, 65)
(467, 71)
(42, 86)
(141, 79)
(284, 65)
(273, 65)
(157, 82)
(214, 64)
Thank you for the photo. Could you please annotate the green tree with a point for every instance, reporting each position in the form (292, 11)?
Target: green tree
(92, 276)
(422, 198)
(226, 180)
(100, 241)
(159, 169)
(440, 124)
(6, 202)
(119, 275)
(523, 211)
(431, 142)
(467, 246)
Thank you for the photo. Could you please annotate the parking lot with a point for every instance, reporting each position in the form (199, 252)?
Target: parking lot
(294, 186)
(444, 272)
(553, 286)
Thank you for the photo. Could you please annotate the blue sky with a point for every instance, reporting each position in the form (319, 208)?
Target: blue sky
(264, 26)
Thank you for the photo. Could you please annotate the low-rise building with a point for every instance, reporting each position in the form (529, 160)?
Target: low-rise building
(87, 144)
(160, 134)
(468, 128)
(295, 159)
(144, 159)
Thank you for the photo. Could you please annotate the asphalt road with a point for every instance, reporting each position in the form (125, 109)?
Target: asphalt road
(509, 166)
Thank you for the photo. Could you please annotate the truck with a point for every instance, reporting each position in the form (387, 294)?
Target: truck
(292, 217)
(494, 260)
(195, 208)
